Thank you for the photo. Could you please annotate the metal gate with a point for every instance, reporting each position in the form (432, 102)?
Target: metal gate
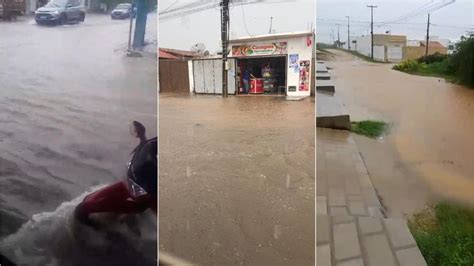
(395, 53)
(174, 76)
(207, 76)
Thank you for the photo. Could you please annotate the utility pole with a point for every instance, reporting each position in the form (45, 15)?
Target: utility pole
(140, 23)
(225, 43)
(332, 37)
(427, 34)
(338, 40)
(130, 31)
(348, 35)
(372, 30)
(271, 22)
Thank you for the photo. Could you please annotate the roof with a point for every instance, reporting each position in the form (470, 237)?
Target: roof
(433, 44)
(179, 53)
(166, 55)
(271, 36)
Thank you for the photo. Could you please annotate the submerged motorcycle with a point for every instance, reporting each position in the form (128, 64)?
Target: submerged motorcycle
(136, 193)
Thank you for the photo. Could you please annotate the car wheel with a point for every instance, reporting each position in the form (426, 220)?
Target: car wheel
(82, 17)
(63, 20)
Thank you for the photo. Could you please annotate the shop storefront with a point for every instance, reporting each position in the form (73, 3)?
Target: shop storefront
(273, 64)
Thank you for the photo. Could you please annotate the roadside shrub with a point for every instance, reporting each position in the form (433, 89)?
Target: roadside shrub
(432, 58)
(409, 65)
(462, 62)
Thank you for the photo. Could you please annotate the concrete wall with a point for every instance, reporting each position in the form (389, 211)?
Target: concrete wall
(295, 45)
(386, 47)
(379, 52)
(412, 52)
(363, 45)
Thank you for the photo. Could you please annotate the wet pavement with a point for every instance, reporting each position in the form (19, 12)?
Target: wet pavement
(67, 94)
(428, 153)
(237, 180)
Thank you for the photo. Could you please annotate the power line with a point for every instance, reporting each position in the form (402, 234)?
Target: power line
(245, 23)
(427, 8)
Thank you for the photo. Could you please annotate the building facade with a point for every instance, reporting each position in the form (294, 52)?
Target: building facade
(387, 47)
(417, 49)
(278, 63)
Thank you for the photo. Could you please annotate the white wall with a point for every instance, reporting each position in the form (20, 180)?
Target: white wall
(191, 75)
(379, 52)
(295, 45)
(363, 45)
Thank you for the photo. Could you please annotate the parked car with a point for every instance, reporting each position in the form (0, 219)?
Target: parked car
(60, 12)
(9, 9)
(123, 11)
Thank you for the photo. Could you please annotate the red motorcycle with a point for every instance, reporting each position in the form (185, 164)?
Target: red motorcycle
(136, 193)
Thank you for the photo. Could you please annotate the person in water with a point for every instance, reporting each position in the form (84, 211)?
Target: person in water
(135, 194)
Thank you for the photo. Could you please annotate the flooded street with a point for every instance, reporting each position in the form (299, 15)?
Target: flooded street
(67, 94)
(237, 180)
(428, 153)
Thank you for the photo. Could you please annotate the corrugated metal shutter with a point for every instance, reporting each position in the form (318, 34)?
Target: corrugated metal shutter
(208, 76)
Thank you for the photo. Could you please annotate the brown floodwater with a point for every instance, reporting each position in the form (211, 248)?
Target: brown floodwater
(237, 179)
(432, 122)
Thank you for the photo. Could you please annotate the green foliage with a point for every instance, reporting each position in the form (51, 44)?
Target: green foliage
(458, 67)
(369, 128)
(445, 235)
(462, 62)
(432, 58)
(409, 66)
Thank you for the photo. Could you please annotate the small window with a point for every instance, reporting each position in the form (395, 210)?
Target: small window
(75, 2)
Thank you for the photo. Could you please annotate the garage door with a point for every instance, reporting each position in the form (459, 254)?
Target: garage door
(395, 54)
(208, 76)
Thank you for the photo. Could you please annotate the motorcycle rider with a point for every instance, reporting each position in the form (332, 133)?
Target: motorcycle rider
(137, 193)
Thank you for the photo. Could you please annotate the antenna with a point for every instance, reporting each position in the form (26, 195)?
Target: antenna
(271, 23)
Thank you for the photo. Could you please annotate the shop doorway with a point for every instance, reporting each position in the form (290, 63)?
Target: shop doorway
(265, 75)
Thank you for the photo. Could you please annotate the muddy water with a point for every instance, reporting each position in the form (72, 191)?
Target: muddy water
(430, 144)
(67, 94)
(237, 180)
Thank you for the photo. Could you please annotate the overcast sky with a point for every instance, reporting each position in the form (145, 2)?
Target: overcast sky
(204, 27)
(448, 22)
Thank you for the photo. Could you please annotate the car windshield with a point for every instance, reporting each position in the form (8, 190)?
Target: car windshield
(123, 6)
(56, 3)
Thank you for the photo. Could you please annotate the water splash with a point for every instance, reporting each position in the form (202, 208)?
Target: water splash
(54, 238)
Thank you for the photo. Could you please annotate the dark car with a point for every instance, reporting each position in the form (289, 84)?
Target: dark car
(123, 11)
(60, 12)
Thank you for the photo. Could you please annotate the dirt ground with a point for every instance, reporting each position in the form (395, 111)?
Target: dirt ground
(237, 179)
(427, 155)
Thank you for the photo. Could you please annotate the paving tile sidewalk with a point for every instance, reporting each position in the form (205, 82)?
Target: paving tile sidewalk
(351, 228)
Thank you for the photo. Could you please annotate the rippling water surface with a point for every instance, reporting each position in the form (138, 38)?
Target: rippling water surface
(67, 95)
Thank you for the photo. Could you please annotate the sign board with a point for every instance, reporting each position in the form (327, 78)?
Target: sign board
(293, 62)
(292, 88)
(304, 75)
(259, 49)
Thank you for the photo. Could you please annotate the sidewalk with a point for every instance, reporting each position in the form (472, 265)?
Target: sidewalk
(351, 228)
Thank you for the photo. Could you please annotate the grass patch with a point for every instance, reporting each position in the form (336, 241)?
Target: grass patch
(369, 128)
(436, 69)
(445, 234)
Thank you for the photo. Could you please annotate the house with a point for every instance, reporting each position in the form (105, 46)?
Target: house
(280, 63)
(387, 47)
(417, 49)
(178, 54)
